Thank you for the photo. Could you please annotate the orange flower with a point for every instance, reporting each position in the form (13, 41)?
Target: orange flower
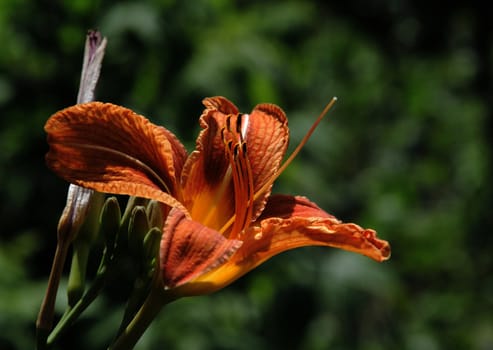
(222, 220)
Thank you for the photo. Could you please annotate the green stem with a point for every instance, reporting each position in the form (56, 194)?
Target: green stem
(87, 298)
(78, 308)
(77, 277)
(155, 301)
(44, 323)
(134, 303)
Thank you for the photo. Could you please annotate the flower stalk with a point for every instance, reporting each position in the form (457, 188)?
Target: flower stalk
(152, 306)
(78, 199)
(110, 220)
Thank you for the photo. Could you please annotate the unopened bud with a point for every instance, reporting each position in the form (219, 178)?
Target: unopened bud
(152, 242)
(110, 221)
(137, 229)
(131, 204)
(81, 248)
(155, 214)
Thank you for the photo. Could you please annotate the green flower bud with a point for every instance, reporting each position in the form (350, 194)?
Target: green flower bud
(152, 242)
(155, 214)
(131, 204)
(137, 229)
(82, 247)
(110, 221)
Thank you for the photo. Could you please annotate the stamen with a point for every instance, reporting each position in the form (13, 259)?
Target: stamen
(296, 150)
(238, 193)
(228, 123)
(231, 153)
(251, 188)
(243, 193)
(242, 176)
(238, 123)
(227, 224)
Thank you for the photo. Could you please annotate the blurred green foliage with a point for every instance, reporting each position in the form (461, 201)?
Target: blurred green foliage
(407, 151)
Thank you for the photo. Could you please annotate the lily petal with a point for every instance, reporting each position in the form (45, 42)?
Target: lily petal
(112, 149)
(189, 249)
(206, 192)
(293, 221)
(297, 223)
(285, 206)
(267, 139)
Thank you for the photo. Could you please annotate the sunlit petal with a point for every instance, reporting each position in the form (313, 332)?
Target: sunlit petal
(292, 221)
(285, 206)
(189, 249)
(299, 223)
(112, 149)
(267, 139)
(207, 187)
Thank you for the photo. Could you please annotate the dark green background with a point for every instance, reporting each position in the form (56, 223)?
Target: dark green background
(407, 150)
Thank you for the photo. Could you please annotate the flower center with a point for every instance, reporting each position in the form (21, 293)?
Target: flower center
(234, 138)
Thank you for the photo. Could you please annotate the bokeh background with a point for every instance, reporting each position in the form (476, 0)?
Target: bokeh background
(407, 150)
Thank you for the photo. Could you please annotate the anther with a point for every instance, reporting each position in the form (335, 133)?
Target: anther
(238, 123)
(228, 122)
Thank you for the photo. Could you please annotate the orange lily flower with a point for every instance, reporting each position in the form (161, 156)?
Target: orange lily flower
(221, 219)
